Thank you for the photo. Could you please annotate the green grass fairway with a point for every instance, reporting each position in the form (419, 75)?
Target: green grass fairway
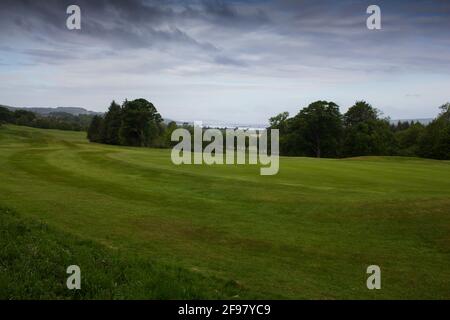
(308, 232)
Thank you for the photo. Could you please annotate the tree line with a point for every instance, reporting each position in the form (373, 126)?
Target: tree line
(54, 120)
(134, 123)
(320, 130)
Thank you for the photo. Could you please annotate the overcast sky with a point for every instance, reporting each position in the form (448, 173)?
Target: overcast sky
(229, 61)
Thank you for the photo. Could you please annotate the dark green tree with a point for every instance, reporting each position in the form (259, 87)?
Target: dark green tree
(408, 139)
(24, 117)
(112, 124)
(288, 140)
(360, 112)
(435, 141)
(280, 122)
(167, 134)
(317, 130)
(365, 133)
(139, 119)
(95, 129)
(6, 116)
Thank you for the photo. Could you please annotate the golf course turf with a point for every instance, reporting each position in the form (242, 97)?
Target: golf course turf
(224, 231)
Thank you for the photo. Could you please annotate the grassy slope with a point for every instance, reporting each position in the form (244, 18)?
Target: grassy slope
(34, 258)
(308, 232)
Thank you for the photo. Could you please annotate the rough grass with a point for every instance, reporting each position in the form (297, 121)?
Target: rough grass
(308, 232)
(34, 258)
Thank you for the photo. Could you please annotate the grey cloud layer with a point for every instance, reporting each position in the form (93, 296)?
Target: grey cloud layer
(256, 44)
(211, 26)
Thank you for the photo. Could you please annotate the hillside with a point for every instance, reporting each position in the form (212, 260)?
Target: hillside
(308, 232)
(47, 111)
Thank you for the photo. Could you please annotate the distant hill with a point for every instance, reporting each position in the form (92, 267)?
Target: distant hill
(46, 111)
(75, 111)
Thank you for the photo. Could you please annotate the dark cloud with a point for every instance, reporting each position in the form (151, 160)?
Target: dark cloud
(223, 13)
(303, 41)
(132, 23)
(328, 26)
(227, 61)
(220, 9)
